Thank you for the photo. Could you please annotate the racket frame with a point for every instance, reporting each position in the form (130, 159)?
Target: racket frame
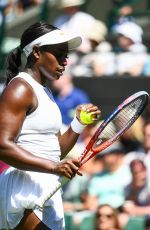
(89, 152)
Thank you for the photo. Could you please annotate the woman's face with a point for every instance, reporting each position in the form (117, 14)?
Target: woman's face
(53, 60)
(105, 218)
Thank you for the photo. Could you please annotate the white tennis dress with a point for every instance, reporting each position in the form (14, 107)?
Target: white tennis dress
(22, 190)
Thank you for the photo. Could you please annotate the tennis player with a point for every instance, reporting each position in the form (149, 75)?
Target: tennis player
(30, 139)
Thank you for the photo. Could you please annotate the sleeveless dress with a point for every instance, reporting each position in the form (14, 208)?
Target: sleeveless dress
(22, 190)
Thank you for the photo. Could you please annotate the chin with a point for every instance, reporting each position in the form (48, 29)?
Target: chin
(57, 77)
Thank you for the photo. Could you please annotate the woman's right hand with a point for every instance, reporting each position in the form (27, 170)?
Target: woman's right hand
(68, 168)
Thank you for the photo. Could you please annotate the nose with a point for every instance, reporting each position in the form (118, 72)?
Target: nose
(64, 62)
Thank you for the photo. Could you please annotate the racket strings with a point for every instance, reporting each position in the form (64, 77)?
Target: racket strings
(108, 132)
(128, 114)
(123, 119)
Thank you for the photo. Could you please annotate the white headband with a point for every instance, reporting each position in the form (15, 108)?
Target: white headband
(52, 38)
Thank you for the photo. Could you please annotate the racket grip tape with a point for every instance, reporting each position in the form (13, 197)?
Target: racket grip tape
(62, 181)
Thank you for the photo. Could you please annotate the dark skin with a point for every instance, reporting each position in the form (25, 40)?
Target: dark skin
(16, 102)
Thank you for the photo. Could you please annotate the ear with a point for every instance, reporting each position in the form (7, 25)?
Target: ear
(36, 52)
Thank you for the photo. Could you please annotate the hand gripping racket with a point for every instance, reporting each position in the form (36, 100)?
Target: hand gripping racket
(111, 129)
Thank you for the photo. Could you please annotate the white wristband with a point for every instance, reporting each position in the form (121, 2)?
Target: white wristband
(76, 126)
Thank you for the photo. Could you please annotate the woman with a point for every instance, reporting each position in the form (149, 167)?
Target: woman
(30, 139)
(106, 218)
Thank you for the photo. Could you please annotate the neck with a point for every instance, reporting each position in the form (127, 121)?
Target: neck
(35, 75)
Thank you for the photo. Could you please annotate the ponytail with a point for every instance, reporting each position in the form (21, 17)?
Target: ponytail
(13, 63)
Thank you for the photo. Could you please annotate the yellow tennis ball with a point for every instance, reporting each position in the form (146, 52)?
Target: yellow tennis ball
(86, 117)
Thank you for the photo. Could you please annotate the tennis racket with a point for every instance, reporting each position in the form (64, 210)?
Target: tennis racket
(111, 129)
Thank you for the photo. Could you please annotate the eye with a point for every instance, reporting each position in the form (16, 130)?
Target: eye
(62, 56)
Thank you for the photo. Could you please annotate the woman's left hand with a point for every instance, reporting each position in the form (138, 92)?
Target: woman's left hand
(93, 109)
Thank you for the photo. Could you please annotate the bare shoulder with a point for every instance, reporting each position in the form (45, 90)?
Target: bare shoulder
(18, 94)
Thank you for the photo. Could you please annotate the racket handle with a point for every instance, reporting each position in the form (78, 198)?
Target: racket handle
(62, 181)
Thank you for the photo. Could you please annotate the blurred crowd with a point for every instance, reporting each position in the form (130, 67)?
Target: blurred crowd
(97, 56)
(13, 8)
(115, 186)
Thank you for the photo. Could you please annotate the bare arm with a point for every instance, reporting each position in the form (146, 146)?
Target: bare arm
(67, 141)
(17, 100)
(133, 209)
(69, 138)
